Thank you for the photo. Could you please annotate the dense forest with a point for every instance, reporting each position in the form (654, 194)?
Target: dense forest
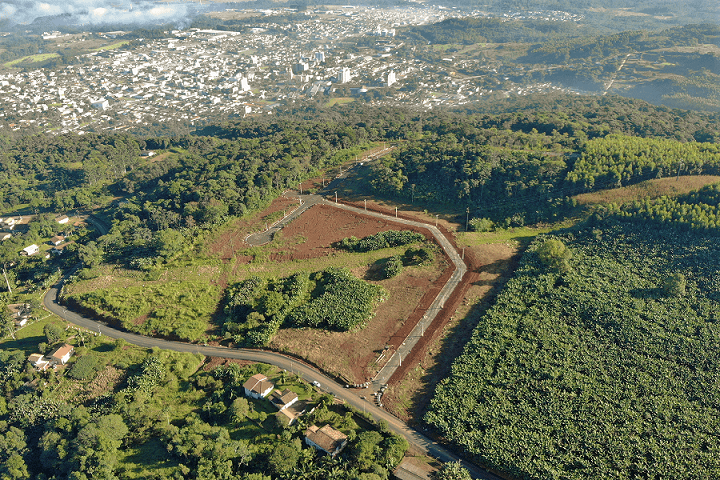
(520, 168)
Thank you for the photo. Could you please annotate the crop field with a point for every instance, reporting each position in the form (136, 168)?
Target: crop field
(603, 368)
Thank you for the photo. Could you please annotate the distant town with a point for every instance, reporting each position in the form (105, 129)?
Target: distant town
(198, 75)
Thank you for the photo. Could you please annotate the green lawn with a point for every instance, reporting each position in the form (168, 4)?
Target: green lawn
(521, 235)
(338, 101)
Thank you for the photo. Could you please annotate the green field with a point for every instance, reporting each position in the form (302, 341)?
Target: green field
(40, 57)
(112, 46)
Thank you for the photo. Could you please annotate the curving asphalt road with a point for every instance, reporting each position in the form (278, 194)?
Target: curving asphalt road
(306, 372)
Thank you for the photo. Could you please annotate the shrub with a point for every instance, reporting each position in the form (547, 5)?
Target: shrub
(390, 238)
(554, 254)
(393, 266)
(674, 285)
(481, 225)
(85, 367)
(418, 255)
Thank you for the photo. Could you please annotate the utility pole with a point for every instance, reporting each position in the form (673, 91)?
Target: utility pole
(467, 218)
(7, 282)
(395, 212)
(336, 196)
(366, 205)
(436, 219)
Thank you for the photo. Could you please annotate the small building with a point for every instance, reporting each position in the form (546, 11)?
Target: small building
(147, 153)
(39, 361)
(62, 219)
(30, 250)
(327, 439)
(408, 470)
(258, 386)
(56, 240)
(5, 236)
(284, 399)
(62, 354)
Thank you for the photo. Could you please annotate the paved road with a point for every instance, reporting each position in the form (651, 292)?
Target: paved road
(307, 373)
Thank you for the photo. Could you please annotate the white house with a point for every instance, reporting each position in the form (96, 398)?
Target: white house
(38, 361)
(30, 250)
(284, 399)
(258, 386)
(62, 354)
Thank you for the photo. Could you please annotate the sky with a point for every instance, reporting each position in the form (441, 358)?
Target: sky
(96, 12)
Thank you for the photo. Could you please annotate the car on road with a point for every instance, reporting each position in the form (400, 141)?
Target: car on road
(316, 383)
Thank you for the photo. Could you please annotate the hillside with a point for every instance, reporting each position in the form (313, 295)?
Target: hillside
(579, 332)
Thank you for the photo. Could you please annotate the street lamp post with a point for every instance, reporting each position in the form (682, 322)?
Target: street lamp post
(467, 218)
(436, 220)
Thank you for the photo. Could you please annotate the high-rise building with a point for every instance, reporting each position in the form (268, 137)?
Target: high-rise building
(345, 76)
(391, 78)
(320, 56)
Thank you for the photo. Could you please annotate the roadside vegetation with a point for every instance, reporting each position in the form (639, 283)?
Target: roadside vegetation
(120, 411)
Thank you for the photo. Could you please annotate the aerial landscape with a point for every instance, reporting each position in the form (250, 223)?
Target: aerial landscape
(366, 241)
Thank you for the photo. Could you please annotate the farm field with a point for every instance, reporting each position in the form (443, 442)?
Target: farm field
(495, 257)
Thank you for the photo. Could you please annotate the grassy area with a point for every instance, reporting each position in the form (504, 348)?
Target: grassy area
(28, 337)
(521, 235)
(40, 57)
(170, 308)
(670, 186)
(112, 46)
(338, 101)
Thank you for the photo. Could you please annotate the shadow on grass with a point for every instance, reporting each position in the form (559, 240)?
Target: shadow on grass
(105, 347)
(28, 345)
(151, 456)
(376, 271)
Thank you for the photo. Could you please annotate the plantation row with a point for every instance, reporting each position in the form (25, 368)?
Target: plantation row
(601, 370)
(332, 299)
(620, 159)
(698, 210)
(387, 239)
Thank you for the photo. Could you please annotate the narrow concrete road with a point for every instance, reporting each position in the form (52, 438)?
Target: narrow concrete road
(403, 350)
(261, 238)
